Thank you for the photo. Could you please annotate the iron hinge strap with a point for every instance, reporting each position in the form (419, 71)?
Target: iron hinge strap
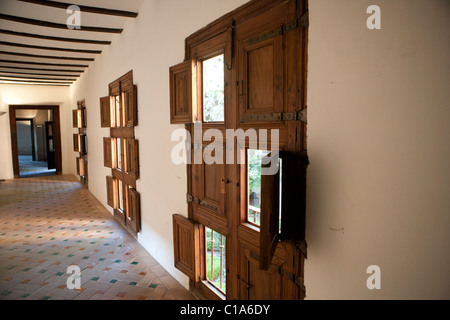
(297, 280)
(302, 22)
(279, 116)
(302, 246)
(295, 116)
(191, 199)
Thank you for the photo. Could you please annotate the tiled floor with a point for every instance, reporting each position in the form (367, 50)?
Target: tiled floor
(30, 168)
(50, 223)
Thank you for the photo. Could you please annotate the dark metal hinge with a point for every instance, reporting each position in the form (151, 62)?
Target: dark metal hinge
(302, 246)
(304, 20)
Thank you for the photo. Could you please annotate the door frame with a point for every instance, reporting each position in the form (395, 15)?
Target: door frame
(32, 136)
(56, 128)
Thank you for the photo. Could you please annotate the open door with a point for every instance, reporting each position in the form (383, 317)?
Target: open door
(51, 136)
(50, 143)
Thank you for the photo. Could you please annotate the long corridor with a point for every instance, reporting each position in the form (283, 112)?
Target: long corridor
(50, 223)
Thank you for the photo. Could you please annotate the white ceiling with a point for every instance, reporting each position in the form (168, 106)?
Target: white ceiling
(15, 71)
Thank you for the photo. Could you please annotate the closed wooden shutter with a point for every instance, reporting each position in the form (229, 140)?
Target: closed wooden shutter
(107, 152)
(183, 93)
(132, 155)
(134, 210)
(261, 67)
(83, 144)
(186, 239)
(129, 98)
(105, 112)
(111, 192)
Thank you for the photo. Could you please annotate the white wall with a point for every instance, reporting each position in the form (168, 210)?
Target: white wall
(378, 140)
(34, 95)
(149, 45)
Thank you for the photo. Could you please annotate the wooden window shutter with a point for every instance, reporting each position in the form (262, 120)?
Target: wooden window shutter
(81, 167)
(111, 191)
(270, 209)
(186, 239)
(76, 142)
(132, 155)
(78, 167)
(105, 112)
(134, 210)
(183, 93)
(107, 152)
(130, 106)
(293, 207)
(83, 144)
(75, 119)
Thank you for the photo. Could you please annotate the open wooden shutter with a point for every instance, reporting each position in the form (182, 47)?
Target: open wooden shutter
(105, 112)
(134, 210)
(76, 143)
(270, 211)
(81, 167)
(183, 93)
(75, 119)
(294, 195)
(111, 191)
(107, 152)
(186, 239)
(129, 98)
(132, 155)
(78, 166)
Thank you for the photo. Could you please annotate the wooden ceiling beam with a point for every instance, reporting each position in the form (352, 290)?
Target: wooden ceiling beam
(37, 84)
(49, 24)
(35, 78)
(40, 36)
(39, 74)
(40, 69)
(22, 45)
(45, 57)
(44, 63)
(35, 81)
(97, 10)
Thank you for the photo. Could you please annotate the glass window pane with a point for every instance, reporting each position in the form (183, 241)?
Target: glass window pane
(254, 185)
(119, 154)
(214, 90)
(118, 117)
(120, 191)
(215, 259)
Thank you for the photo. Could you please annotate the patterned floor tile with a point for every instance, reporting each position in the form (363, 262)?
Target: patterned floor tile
(50, 223)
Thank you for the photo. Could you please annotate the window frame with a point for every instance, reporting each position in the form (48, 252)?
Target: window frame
(122, 130)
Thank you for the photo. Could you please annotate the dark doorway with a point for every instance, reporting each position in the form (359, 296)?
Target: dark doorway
(35, 140)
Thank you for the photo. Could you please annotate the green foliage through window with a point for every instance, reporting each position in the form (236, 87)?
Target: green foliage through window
(215, 259)
(213, 90)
